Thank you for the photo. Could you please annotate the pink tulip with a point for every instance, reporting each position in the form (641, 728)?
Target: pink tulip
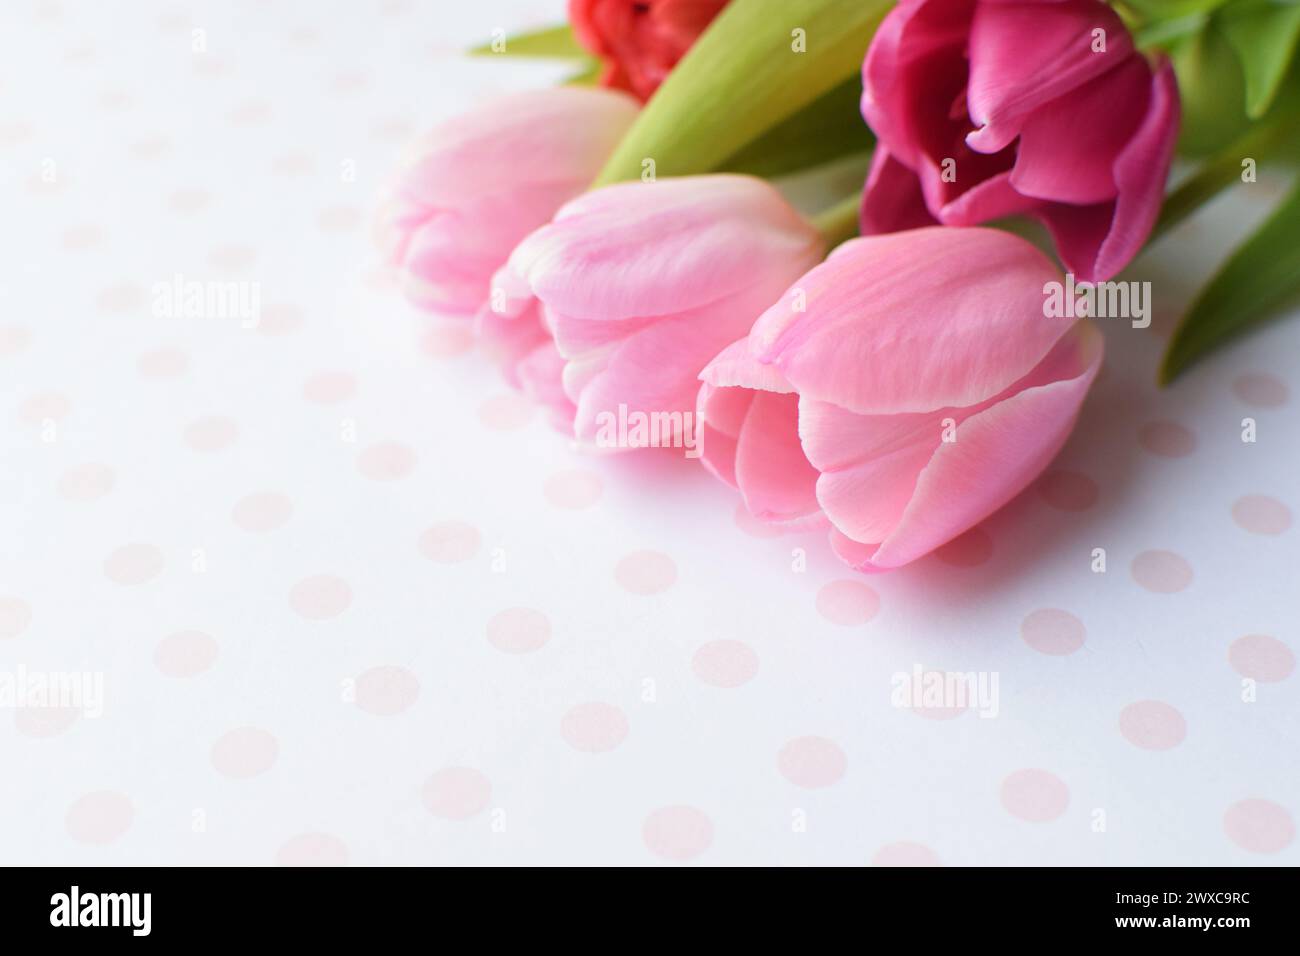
(993, 108)
(482, 181)
(628, 293)
(920, 389)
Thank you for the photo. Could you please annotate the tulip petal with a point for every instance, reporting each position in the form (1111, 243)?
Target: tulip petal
(776, 480)
(892, 199)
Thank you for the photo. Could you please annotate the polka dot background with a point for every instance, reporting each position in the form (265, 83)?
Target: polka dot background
(353, 602)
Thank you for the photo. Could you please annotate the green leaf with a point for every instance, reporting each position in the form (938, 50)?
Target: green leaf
(744, 76)
(823, 131)
(1151, 11)
(1212, 89)
(1261, 275)
(556, 43)
(1263, 34)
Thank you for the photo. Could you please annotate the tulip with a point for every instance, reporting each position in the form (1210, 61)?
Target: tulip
(992, 108)
(900, 392)
(615, 307)
(482, 181)
(640, 42)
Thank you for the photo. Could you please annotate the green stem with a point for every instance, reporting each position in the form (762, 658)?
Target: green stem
(839, 222)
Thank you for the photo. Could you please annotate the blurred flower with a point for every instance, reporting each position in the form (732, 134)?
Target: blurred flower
(482, 181)
(640, 41)
(921, 387)
(993, 108)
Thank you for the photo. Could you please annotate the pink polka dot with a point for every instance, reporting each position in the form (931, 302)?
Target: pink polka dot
(752, 526)
(312, 849)
(646, 572)
(245, 752)
(250, 113)
(187, 201)
(339, 219)
(848, 603)
(386, 461)
(320, 597)
(1259, 826)
(1152, 725)
(1261, 389)
(81, 238)
(329, 388)
(1161, 571)
(292, 164)
(87, 482)
(968, 550)
(100, 817)
(125, 297)
(150, 148)
(447, 340)
(387, 690)
(1035, 795)
(42, 722)
(1050, 630)
(1166, 439)
(519, 630)
(677, 833)
(1260, 514)
(456, 793)
(1067, 490)
(573, 490)
(594, 727)
(211, 434)
(13, 339)
(185, 653)
(15, 615)
(232, 258)
(134, 564)
(1261, 658)
(905, 854)
(280, 319)
(725, 663)
(263, 511)
(812, 762)
(505, 413)
(162, 364)
(450, 542)
(46, 406)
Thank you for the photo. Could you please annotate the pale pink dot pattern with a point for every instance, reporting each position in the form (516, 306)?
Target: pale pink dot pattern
(519, 630)
(1261, 658)
(386, 461)
(329, 388)
(245, 752)
(320, 597)
(646, 572)
(1161, 571)
(1036, 796)
(594, 727)
(387, 690)
(124, 297)
(1050, 630)
(812, 762)
(1067, 490)
(847, 603)
(232, 257)
(1259, 826)
(505, 413)
(339, 219)
(947, 708)
(163, 364)
(41, 722)
(1260, 514)
(250, 113)
(188, 201)
(13, 338)
(15, 616)
(573, 490)
(725, 663)
(46, 406)
(1261, 390)
(456, 793)
(450, 542)
(185, 653)
(99, 818)
(212, 433)
(1166, 439)
(968, 550)
(263, 511)
(81, 238)
(752, 526)
(151, 148)
(447, 340)
(677, 833)
(134, 564)
(86, 482)
(292, 164)
(1152, 725)
(280, 319)
(312, 849)
(905, 853)
(13, 133)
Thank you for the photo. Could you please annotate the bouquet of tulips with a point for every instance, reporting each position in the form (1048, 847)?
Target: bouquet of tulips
(900, 365)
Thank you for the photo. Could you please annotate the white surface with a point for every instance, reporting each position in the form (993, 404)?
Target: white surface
(227, 164)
